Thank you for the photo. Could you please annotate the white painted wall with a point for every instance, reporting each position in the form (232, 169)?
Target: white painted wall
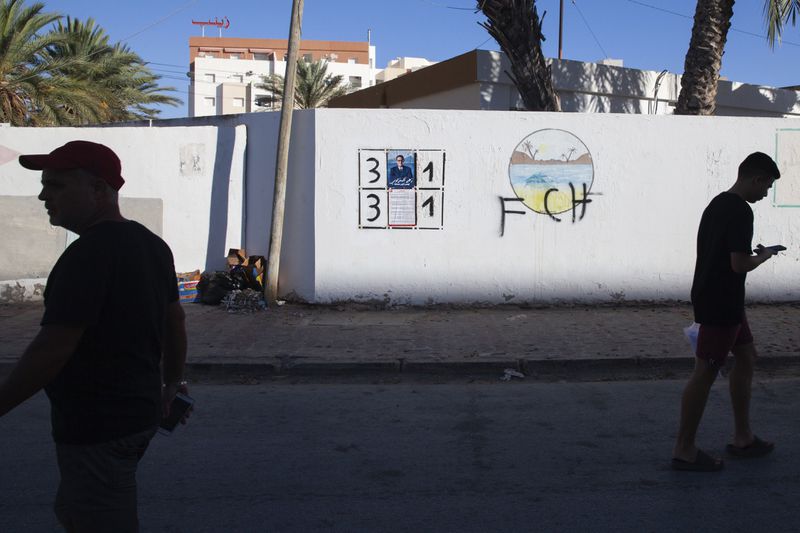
(597, 88)
(202, 217)
(653, 176)
(655, 173)
(297, 271)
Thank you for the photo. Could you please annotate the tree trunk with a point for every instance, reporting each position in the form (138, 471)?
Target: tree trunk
(712, 19)
(516, 27)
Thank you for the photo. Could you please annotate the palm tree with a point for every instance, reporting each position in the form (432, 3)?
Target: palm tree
(314, 87)
(776, 14)
(68, 74)
(123, 87)
(517, 28)
(25, 86)
(712, 19)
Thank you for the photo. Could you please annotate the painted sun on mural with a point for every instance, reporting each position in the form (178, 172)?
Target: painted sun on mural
(550, 171)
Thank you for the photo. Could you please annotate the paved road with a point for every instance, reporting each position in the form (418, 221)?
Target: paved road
(456, 456)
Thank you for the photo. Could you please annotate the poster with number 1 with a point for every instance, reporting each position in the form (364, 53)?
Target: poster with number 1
(401, 188)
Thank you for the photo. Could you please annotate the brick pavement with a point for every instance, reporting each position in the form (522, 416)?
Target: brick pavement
(307, 339)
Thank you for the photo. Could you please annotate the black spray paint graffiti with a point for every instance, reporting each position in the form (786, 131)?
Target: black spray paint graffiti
(576, 202)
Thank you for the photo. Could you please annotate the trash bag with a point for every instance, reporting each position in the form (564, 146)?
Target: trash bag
(243, 278)
(213, 287)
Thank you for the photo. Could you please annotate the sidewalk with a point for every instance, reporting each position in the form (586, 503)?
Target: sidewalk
(296, 339)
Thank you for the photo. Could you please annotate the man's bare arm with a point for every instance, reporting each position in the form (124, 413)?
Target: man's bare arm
(174, 343)
(742, 263)
(41, 362)
(174, 356)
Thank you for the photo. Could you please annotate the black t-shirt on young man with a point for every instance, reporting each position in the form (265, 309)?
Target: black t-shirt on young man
(116, 280)
(718, 291)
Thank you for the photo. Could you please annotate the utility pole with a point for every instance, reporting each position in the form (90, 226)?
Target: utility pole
(560, 27)
(282, 160)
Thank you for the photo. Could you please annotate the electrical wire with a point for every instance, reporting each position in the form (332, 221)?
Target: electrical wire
(437, 4)
(682, 15)
(162, 19)
(87, 56)
(484, 42)
(586, 22)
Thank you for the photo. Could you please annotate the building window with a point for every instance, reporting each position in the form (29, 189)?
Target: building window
(351, 61)
(208, 54)
(238, 102)
(238, 78)
(234, 56)
(210, 101)
(211, 78)
(308, 58)
(261, 57)
(355, 82)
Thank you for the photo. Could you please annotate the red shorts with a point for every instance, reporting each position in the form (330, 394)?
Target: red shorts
(714, 343)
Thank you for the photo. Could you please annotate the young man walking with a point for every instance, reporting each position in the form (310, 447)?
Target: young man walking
(724, 257)
(111, 313)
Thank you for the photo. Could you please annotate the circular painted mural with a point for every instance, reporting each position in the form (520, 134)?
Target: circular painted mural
(551, 171)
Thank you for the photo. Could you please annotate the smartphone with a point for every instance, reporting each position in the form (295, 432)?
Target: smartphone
(177, 409)
(775, 248)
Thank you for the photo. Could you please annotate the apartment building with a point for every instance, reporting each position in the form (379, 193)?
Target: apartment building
(226, 71)
(400, 66)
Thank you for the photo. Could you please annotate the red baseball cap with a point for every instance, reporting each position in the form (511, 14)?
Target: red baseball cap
(96, 158)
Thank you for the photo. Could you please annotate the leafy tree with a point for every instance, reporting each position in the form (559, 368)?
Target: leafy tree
(25, 86)
(123, 87)
(68, 73)
(776, 14)
(517, 28)
(314, 87)
(712, 20)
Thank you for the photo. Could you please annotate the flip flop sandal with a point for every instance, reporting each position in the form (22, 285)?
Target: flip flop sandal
(757, 448)
(702, 463)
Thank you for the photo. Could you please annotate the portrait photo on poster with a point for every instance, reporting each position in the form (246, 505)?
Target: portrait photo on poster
(401, 169)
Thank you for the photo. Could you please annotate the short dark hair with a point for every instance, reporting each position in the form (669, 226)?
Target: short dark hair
(400, 156)
(758, 164)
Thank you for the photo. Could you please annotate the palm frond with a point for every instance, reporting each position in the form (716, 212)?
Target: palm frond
(777, 13)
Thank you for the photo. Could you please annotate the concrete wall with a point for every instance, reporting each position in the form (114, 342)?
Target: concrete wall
(185, 184)
(467, 97)
(581, 87)
(297, 251)
(653, 176)
(211, 182)
(598, 88)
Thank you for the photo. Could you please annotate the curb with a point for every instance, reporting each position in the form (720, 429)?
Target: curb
(552, 369)
(537, 369)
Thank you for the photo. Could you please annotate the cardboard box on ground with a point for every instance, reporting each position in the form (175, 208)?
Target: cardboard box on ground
(187, 286)
(245, 273)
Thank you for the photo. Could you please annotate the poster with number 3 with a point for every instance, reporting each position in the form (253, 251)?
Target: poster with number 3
(401, 188)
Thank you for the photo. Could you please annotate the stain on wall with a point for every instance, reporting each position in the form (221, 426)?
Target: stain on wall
(31, 245)
(192, 159)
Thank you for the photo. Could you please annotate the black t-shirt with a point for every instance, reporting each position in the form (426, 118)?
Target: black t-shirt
(116, 280)
(718, 291)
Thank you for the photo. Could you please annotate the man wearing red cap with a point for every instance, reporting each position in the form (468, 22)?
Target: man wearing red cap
(111, 312)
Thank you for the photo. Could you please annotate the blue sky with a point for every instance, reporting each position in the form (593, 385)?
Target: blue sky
(644, 37)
